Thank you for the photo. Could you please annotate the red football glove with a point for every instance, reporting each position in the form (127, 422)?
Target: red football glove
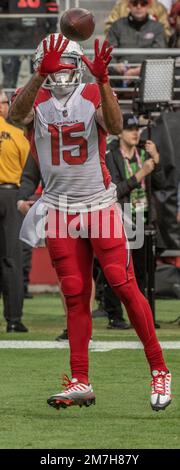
(98, 67)
(51, 60)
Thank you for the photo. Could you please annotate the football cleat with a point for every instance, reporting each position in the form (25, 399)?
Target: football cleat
(160, 390)
(74, 393)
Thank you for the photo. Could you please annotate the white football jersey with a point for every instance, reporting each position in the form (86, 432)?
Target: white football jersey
(70, 146)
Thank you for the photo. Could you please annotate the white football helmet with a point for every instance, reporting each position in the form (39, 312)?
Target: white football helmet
(64, 78)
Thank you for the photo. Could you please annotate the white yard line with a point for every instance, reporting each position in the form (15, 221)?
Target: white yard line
(94, 345)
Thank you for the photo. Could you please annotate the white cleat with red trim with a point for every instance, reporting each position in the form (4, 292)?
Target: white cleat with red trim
(75, 393)
(160, 390)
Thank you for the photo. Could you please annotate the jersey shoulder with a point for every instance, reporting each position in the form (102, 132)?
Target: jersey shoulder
(42, 96)
(91, 93)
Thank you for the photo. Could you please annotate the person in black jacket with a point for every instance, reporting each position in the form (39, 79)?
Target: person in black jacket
(136, 30)
(130, 167)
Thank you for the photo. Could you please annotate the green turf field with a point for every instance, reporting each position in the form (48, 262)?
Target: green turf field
(121, 418)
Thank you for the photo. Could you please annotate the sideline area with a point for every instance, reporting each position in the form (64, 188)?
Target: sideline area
(101, 346)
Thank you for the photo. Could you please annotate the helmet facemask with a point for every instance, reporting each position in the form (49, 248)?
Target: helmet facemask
(65, 80)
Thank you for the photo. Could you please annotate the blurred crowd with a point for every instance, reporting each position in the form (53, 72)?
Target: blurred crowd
(131, 24)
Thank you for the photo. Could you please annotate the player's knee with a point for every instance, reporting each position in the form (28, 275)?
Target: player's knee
(115, 275)
(77, 295)
(72, 286)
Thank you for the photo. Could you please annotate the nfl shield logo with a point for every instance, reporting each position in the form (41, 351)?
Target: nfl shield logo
(65, 113)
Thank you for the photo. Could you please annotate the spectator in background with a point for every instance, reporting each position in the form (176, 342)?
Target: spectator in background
(129, 166)
(155, 9)
(14, 149)
(23, 33)
(136, 30)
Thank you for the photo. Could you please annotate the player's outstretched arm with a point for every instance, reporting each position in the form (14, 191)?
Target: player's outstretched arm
(99, 68)
(50, 63)
(22, 106)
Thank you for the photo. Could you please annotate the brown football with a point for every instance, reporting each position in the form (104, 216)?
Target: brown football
(77, 24)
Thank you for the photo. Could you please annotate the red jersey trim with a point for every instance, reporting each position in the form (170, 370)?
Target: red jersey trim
(42, 96)
(91, 93)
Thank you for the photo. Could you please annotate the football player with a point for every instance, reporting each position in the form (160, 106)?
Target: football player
(71, 121)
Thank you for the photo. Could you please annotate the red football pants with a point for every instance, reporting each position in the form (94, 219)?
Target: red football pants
(73, 261)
